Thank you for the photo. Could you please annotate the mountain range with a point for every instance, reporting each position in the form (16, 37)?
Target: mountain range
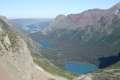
(88, 37)
(39, 49)
(31, 25)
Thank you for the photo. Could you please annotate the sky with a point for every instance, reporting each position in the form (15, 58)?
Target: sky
(49, 8)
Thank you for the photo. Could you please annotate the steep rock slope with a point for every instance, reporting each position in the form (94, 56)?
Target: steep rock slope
(15, 56)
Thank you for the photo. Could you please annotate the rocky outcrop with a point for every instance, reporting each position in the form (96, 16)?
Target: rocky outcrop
(15, 56)
(14, 53)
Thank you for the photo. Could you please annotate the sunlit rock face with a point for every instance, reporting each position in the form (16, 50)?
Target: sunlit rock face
(14, 53)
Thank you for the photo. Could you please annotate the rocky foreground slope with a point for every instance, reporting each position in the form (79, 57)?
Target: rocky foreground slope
(14, 54)
(16, 62)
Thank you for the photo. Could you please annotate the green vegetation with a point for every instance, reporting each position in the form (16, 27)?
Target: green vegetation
(106, 76)
(48, 66)
(110, 73)
(115, 66)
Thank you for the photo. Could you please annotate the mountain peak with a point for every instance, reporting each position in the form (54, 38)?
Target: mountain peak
(116, 6)
(60, 17)
(115, 9)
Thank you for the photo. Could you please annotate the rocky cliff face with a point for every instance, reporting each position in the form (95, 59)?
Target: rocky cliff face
(14, 53)
(84, 19)
(15, 56)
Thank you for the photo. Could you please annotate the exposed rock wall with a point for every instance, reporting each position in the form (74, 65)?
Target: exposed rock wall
(14, 53)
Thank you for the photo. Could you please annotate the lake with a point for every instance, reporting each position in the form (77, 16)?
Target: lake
(73, 66)
(45, 44)
(76, 67)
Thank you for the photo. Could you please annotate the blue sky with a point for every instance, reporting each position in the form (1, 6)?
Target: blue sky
(49, 8)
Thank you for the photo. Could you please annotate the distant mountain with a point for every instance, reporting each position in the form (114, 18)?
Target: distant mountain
(31, 25)
(89, 37)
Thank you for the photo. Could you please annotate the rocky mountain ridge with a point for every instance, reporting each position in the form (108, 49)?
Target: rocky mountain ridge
(93, 32)
(14, 52)
(16, 56)
(88, 17)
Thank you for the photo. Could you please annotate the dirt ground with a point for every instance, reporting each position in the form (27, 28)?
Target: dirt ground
(4, 75)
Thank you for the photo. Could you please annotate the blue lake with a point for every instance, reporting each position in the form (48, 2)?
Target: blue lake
(45, 44)
(75, 67)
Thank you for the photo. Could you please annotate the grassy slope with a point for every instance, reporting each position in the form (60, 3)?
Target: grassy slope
(110, 73)
(48, 66)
